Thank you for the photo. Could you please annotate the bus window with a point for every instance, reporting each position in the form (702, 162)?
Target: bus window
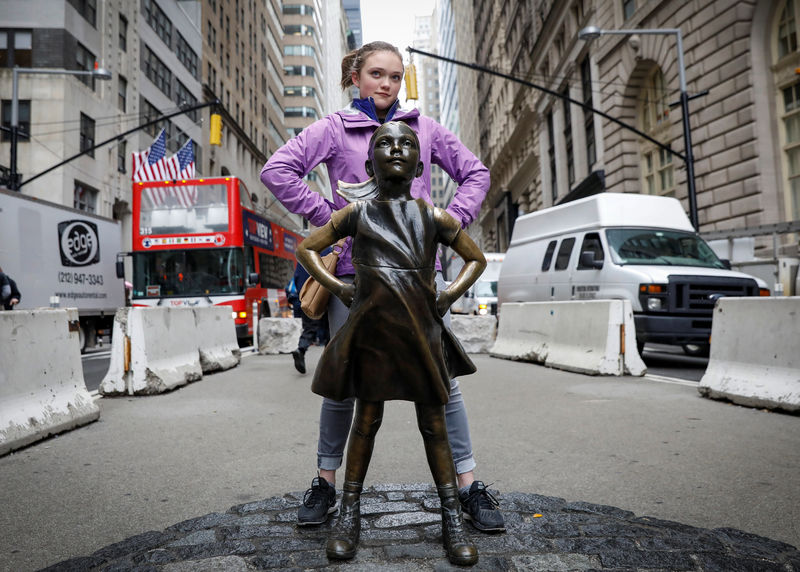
(548, 256)
(274, 271)
(564, 252)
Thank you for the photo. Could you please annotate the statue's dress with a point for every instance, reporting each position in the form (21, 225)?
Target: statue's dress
(394, 344)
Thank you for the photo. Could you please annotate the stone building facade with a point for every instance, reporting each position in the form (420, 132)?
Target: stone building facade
(542, 150)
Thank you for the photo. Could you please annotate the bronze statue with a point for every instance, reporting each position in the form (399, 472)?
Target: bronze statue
(394, 344)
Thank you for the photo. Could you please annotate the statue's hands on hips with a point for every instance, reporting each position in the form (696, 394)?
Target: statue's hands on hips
(443, 302)
(346, 293)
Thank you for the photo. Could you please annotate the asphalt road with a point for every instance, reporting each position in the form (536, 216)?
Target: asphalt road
(653, 447)
(661, 360)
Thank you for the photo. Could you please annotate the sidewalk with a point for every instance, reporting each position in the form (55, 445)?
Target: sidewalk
(239, 437)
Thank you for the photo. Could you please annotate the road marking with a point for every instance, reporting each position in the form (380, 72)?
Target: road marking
(97, 355)
(673, 380)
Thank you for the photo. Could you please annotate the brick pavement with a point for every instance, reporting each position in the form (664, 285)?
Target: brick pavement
(401, 532)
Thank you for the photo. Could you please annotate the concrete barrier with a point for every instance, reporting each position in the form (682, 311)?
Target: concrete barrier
(216, 335)
(42, 390)
(476, 333)
(278, 335)
(755, 353)
(159, 349)
(594, 337)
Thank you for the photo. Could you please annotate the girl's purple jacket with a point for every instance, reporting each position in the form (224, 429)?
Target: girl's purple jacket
(341, 140)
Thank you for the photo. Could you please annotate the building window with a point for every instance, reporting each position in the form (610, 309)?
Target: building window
(785, 52)
(628, 8)
(298, 30)
(301, 112)
(551, 154)
(588, 116)
(301, 9)
(122, 153)
(158, 20)
(307, 71)
(184, 98)
(122, 96)
(656, 162)
(187, 56)
(16, 48)
(87, 134)
(157, 72)
(787, 31)
(791, 147)
(84, 197)
(23, 119)
(299, 91)
(570, 156)
(298, 51)
(84, 60)
(87, 9)
(123, 33)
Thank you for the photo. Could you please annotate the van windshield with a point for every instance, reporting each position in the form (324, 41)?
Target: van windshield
(660, 247)
(485, 289)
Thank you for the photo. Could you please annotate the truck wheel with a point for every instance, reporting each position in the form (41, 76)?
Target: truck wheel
(82, 337)
(639, 346)
(697, 350)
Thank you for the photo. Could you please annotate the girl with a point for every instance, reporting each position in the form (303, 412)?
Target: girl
(394, 344)
(341, 140)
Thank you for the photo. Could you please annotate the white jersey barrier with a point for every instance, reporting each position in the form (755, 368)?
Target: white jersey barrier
(476, 333)
(278, 335)
(159, 349)
(42, 391)
(755, 353)
(593, 336)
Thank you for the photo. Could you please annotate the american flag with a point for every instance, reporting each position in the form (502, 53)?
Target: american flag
(152, 165)
(148, 164)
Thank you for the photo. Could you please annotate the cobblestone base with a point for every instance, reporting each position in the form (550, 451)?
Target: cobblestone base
(401, 531)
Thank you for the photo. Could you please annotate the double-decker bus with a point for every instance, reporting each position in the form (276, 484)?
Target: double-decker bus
(201, 242)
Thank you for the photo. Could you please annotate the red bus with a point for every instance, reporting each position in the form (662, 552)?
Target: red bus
(201, 242)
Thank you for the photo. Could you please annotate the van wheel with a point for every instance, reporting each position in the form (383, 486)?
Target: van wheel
(639, 346)
(697, 350)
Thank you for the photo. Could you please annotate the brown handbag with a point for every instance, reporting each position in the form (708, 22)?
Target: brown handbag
(313, 295)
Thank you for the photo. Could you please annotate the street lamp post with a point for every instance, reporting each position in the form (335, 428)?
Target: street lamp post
(593, 32)
(97, 73)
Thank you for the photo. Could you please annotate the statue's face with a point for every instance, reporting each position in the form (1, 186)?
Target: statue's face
(395, 153)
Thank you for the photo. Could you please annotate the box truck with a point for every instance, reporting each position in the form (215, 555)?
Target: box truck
(640, 248)
(62, 257)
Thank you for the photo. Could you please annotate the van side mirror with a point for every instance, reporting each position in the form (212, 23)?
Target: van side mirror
(587, 260)
(726, 263)
(252, 278)
(120, 265)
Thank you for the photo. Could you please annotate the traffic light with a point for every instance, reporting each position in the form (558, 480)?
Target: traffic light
(216, 129)
(411, 82)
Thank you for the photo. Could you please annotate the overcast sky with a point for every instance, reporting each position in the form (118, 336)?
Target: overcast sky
(394, 25)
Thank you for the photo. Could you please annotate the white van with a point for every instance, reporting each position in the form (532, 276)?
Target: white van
(640, 248)
(481, 298)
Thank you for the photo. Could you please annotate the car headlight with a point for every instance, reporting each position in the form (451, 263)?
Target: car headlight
(654, 304)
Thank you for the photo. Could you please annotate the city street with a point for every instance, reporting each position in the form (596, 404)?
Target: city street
(652, 447)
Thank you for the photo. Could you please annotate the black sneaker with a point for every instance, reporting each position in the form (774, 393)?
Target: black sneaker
(299, 361)
(480, 507)
(319, 502)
